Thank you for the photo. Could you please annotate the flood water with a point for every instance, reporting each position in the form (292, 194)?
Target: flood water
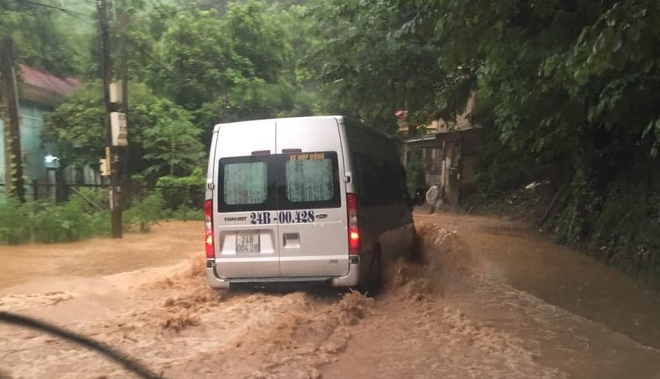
(166, 244)
(532, 262)
(491, 298)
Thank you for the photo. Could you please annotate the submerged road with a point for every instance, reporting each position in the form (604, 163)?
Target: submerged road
(492, 298)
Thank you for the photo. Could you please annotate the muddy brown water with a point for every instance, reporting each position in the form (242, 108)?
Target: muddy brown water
(491, 299)
(167, 243)
(532, 262)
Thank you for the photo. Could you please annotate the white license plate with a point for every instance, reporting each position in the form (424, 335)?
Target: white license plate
(248, 243)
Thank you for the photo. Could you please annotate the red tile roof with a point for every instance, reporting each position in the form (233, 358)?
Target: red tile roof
(46, 81)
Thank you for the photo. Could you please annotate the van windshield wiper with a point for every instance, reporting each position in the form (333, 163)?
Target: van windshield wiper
(121, 358)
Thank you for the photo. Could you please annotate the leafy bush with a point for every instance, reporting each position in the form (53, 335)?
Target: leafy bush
(185, 213)
(144, 213)
(626, 230)
(61, 223)
(91, 199)
(14, 222)
(100, 223)
(49, 222)
(189, 195)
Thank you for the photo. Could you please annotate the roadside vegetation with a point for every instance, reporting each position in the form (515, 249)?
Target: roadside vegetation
(87, 215)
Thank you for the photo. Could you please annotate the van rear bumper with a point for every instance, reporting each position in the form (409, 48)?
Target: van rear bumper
(212, 277)
(349, 280)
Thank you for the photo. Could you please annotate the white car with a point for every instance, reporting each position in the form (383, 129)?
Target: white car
(304, 199)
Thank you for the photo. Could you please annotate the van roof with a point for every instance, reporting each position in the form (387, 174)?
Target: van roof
(311, 118)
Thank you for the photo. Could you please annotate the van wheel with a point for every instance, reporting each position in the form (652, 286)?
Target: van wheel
(375, 282)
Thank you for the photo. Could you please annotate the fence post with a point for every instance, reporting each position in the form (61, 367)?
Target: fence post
(60, 186)
(35, 190)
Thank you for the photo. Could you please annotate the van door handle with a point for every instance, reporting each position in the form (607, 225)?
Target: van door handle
(321, 215)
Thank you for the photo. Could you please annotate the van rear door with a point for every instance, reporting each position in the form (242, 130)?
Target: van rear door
(311, 199)
(247, 237)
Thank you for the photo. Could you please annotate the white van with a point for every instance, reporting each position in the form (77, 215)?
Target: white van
(304, 199)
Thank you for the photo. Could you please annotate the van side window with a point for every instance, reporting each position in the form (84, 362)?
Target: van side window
(380, 181)
(245, 183)
(310, 180)
(360, 180)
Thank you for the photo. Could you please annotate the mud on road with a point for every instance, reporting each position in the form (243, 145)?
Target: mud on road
(452, 315)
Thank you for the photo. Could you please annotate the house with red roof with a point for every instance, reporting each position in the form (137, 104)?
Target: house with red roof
(39, 93)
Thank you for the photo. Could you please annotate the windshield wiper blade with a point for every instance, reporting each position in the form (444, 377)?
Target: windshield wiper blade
(121, 358)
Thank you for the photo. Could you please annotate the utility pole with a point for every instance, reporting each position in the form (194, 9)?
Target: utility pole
(106, 72)
(123, 73)
(9, 94)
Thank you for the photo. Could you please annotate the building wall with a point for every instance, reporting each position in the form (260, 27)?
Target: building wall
(453, 167)
(471, 143)
(433, 165)
(34, 151)
(450, 160)
(430, 152)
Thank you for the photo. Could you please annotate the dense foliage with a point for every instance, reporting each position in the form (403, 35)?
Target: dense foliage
(565, 88)
(42, 37)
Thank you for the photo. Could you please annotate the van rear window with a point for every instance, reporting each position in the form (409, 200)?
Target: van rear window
(309, 180)
(245, 183)
(279, 182)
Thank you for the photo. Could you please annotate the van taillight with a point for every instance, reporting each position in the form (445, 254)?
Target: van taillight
(208, 225)
(353, 230)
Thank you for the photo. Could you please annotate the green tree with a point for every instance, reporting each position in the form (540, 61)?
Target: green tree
(172, 148)
(77, 128)
(256, 36)
(200, 62)
(42, 36)
(238, 66)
